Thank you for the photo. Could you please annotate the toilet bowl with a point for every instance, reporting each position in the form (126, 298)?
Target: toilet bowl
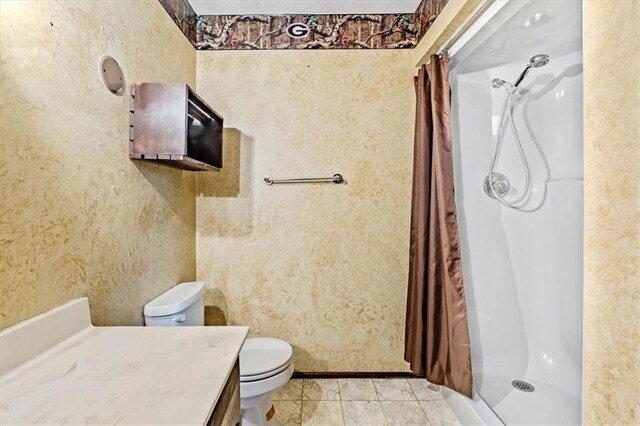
(266, 364)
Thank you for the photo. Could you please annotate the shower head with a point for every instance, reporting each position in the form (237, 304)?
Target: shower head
(536, 61)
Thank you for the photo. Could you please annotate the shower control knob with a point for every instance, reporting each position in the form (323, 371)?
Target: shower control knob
(500, 185)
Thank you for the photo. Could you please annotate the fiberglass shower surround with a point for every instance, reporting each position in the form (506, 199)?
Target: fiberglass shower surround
(522, 266)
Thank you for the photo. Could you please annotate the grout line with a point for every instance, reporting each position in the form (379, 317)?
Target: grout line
(425, 413)
(375, 389)
(412, 391)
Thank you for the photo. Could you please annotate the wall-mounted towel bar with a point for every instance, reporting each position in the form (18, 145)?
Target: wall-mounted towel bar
(337, 178)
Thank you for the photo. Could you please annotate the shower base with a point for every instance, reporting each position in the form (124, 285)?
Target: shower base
(536, 405)
(470, 411)
(478, 412)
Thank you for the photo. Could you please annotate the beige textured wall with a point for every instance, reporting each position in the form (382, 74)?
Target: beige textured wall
(77, 217)
(321, 266)
(612, 212)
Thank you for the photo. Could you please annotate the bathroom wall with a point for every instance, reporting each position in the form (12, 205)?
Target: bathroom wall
(612, 212)
(77, 217)
(322, 266)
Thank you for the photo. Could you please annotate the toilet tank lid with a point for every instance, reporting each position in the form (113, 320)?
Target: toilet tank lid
(175, 299)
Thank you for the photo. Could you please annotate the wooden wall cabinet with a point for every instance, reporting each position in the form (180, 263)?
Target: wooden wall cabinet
(171, 125)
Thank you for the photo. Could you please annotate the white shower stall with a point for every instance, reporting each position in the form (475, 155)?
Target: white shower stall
(523, 266)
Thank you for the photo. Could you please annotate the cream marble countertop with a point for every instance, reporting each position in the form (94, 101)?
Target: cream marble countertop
(114, 375)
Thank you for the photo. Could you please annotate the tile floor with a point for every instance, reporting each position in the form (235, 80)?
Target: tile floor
(374, 402)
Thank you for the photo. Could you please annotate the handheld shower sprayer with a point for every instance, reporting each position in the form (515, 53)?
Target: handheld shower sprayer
(496, 185)
(536, 61)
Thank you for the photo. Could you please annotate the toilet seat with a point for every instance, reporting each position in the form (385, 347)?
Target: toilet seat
(247, 379)
(263, 357)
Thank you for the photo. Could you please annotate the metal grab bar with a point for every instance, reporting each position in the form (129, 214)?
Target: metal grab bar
(337, 178)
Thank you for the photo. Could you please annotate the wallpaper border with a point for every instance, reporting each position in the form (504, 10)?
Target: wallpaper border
(269, 32)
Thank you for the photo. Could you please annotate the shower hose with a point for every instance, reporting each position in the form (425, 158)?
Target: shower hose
(508, 108)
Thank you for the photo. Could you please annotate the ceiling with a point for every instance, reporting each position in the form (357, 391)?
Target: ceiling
(302, 7)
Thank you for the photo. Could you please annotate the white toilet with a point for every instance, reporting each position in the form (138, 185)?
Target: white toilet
(266, 363)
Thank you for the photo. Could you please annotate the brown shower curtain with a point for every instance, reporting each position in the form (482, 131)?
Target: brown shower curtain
(436, 333)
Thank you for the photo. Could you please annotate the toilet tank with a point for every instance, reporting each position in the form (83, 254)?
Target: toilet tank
(182, 305)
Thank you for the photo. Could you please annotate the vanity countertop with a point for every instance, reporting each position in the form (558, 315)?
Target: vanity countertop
(113, 375)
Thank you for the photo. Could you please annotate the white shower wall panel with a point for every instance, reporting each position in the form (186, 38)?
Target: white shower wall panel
(523, 267)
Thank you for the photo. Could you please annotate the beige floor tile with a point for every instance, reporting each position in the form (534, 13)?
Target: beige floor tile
(322, 413)
(439, 413)
(357, 390)
(288, 413)
(404, 413)
(425, 391)
(291, 391)
(393, 390)
(320, 390)
(363, 413)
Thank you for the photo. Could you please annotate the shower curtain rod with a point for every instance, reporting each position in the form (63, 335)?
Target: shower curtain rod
(463, 33)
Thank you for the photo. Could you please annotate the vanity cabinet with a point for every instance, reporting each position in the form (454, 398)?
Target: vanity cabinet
(37, 393)
(227, 410)
(170, 124)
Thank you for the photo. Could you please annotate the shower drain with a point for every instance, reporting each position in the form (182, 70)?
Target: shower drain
(523, 386)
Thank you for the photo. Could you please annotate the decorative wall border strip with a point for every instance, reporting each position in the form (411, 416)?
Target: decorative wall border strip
(261, 32)
(183, 15)
(426, 13)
